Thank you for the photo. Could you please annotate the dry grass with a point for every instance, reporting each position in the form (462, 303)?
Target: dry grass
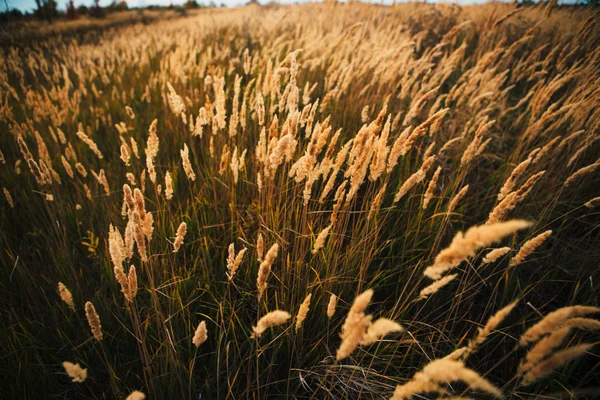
(183, 181)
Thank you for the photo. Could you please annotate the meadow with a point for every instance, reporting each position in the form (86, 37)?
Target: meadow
(317, 201)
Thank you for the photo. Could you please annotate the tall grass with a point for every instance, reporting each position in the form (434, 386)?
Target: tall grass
(269, 202)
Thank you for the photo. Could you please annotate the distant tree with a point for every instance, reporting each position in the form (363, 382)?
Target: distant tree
(96, 10)
(83, 10)
(46, 9)
(71, 11)
(118, 6)
(11, 15)
(191, 4)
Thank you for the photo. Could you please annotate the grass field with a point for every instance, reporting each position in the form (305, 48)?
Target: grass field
(312, 201)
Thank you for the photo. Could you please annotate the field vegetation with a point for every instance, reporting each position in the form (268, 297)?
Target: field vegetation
(311, 201)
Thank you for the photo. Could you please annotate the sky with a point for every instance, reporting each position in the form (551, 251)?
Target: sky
(28, 5)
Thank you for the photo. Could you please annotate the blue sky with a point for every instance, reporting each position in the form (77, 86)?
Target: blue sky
(28, 5)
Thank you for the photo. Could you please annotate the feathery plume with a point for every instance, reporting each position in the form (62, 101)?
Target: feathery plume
(138, 235)
(9, 198)
(509, 185)
(398, 149)
(200, 335)
(355, 325)
(81, 169)
(90, 143)
(554, 320)
(302, 312)
(331, 305)
(273, 318)
(377, 200)
(175, 101)
(136, 395)
(265, 269)
(492, 324)
(431, 187)
(181, 231)
(557, 360)
(408, 184)
(456, 199)
(464, 245)
(593, 202)
(65, 295)
(436, 286)
(580, 173)
(93, 320)
(260, 109)
(75, 371)
(379, 329)
(260, 247)
(512, 199)
(495, 254)
(529, 247)
(320, 241)
(543, 348)
(67, 167)
(132, 282)
(234, 261)
(168, 186)
(187, 165)
(444, 371)
(125, 154)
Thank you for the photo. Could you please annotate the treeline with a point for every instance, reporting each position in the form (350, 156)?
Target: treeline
(48, 10)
